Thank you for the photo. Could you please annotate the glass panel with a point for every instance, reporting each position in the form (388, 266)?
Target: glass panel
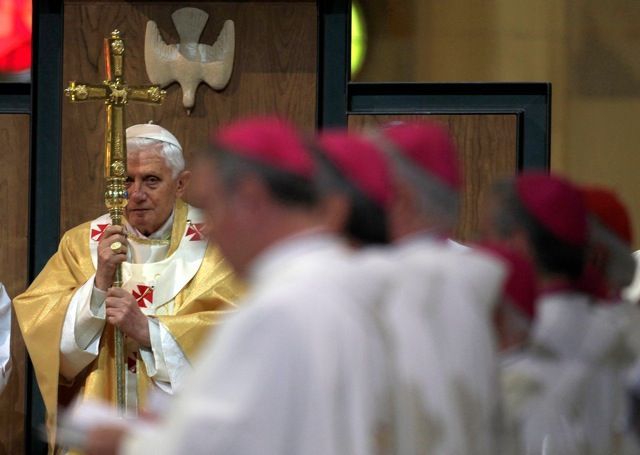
(15, 40)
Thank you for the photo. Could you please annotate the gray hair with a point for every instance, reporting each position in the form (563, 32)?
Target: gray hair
(170, 152)
(509, 216)
(435, 200)
(621, 267)
(286, 188)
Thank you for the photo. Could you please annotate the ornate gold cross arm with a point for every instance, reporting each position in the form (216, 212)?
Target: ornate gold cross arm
(146, 94)
(114, 93)
(114, 90)
(83, 92)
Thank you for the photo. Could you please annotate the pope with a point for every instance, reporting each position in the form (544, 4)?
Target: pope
(175, 288)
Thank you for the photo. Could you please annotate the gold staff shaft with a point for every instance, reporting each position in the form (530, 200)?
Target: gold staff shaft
(115, 199)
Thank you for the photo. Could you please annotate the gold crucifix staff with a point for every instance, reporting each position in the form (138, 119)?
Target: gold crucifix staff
(115, 93)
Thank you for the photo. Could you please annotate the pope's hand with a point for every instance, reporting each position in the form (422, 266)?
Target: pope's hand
(108, 257)
(123, 312)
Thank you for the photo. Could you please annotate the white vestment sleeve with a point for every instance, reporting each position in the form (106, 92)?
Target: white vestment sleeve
(82, 328)
(242, 397)
(441, 339)
(5, 337)
(165, 362)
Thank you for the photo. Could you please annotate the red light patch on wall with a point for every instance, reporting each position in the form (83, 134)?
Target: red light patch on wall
(15, 36)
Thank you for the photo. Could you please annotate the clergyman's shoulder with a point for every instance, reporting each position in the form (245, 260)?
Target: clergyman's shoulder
(79, 236)
(79, 231)
(214, 263)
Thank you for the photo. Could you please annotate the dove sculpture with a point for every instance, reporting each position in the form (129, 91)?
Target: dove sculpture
(189, 62)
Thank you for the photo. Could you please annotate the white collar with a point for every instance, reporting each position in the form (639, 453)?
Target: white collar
(511, 356)
(286, 251)
(161, 234)
(422, 240)
(416, 239)
(561, 321)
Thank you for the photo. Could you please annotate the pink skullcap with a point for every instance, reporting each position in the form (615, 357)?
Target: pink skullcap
(360, 162)
(607, 207)
(269, 140)
(594, 282)
(429, 146)
(520, 286)
(556, 204)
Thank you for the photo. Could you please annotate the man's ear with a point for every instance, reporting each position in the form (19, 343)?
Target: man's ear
(252, 194)
(334, 212)
(519, 241)
(181, 182)
(404, 202)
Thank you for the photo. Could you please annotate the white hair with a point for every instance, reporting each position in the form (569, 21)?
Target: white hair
(170, 152)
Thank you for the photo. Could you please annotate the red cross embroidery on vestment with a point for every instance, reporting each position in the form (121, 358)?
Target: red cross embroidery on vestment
(143, 295)
(96, 234)
(194, 231)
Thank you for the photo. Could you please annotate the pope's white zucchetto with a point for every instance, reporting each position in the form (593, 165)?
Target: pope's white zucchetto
(152, 131)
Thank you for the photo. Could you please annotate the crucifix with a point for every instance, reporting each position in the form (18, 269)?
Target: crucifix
(115, 93)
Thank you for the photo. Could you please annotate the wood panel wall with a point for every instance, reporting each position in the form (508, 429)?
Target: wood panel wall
(486, 147)
(14, 211)
(274, 72)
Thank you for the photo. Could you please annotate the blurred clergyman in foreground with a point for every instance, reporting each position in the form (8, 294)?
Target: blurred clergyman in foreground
(435, 304)
(290, 373)
(557, 389)
(354, 185)
(513, 318)
(610, 266)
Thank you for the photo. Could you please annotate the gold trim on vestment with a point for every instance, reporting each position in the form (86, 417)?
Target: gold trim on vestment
(143, 241)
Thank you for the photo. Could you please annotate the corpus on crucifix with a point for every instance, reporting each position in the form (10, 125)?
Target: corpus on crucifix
(122, 306)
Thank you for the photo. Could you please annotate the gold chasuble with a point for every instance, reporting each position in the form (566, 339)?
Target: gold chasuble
(193, 288)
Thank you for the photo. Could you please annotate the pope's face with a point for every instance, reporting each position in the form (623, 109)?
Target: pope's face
(152, 189)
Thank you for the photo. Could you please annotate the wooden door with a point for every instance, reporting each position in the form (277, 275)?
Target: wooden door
(487, 148)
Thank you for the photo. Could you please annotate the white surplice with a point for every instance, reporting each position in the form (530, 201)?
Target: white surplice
(566, 393)
(5, 337)
(154, 279)
(294, 371)
(436, 312)
(632, 292)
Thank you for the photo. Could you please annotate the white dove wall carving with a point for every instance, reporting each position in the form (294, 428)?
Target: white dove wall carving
(189, 62)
